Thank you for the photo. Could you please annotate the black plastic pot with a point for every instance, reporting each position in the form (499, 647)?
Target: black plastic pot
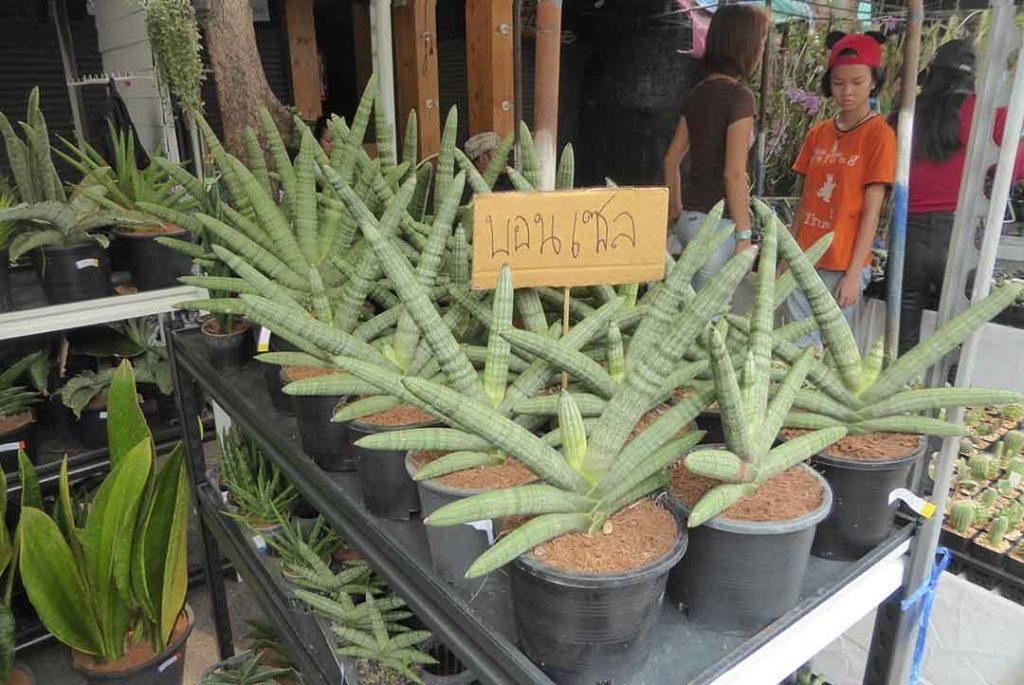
(1013, 565)
(153, 265)
(739, 576)
(452, 548)
(710, 421)
(387, 489)
(11, 442)
(862, 516)
(272, 375)
(166, 668)
(74, 273)
(92, 427)
(327, 443)
(957, 543)
(5, 282)
(984, 554)
(587, 628)
(227, 350)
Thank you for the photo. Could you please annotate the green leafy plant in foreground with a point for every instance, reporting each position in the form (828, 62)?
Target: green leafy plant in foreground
(124, 574)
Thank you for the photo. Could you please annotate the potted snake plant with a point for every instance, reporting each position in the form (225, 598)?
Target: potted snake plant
(883, 417)
(17, 418)
(124, 622)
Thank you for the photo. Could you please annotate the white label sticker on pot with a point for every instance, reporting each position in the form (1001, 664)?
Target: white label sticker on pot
(259, 543)
(487, 526)
(919, 506)
(103, 415)
(167, 664)
(224, 496)
(1015, 479)
(86, 263)
(11, 446)
(263, 344)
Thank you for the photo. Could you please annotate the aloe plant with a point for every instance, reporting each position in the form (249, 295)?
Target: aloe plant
(257, 487)
(119, 184)
(8, 227)
(388, 647)
(120, 579)
(251, 672)
(857, 393)
(18, 399)
(296, 547)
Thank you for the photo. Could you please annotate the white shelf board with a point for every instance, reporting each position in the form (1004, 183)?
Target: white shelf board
(61, 317)
(796, 645)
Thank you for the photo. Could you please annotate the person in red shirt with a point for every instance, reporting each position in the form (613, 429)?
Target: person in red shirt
(942, 127)
(847, 164)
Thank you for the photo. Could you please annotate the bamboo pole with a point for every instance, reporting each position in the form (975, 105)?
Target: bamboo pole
(545, 106)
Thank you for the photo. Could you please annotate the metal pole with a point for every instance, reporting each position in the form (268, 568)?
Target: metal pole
(927, 539)
(383, 59)
(545, 104)
(905, 136)
(762, 114)
(59, 14)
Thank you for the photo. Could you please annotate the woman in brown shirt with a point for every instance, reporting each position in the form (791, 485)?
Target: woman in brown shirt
(716, 130)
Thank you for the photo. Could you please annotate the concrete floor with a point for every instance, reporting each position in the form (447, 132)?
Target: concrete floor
(51, 662)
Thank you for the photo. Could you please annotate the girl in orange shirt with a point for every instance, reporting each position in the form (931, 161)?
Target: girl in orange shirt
(847, 163)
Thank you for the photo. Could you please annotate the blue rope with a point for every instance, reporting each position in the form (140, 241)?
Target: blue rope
(926, 593)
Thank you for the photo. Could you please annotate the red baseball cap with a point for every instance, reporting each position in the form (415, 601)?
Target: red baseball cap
(863, 49)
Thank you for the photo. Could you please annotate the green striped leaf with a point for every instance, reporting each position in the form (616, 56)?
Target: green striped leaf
(580, 367)
(413, 439)
(522, 500)
(525, 538)
(458, 461)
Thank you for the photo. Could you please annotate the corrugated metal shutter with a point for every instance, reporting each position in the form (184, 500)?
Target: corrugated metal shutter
(30, 56)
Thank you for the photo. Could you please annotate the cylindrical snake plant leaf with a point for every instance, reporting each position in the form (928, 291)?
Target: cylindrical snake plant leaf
(499, 160)
(781, 403)
(616, 354)
(948, 336)
(566, 176)
(499, 350)
(458, 461)
(263, 285)
(263, 260)
(293, 359)
(330, 385)
(257, 162)
(278, 154)
(521, 500)
(917, 425)
(834, 327)
(228, 170)
(662, 457)
(473, 177)
(717, 500)
(364, 407)
(438, 439)
(354, 140)
(721, 465)
(529, 164)
(580, 366)
(930, 399)
(410, 143)
(446, 158)
(798, 449)
(547, 405)
(526, 537)
(304, 203)
(574, 434)
(735, 426)
(498, 430)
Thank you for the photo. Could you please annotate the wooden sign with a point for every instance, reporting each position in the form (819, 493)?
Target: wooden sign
(571, 237)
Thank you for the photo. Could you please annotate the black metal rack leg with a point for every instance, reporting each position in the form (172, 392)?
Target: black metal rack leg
(883, 639)
(187, 400)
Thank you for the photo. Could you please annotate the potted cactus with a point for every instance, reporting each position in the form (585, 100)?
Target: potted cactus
(125, 623)
(72, 258)
(882, 416)
(959, 528)
(991, 545)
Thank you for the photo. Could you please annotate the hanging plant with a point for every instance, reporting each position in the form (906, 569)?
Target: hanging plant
(174, 36)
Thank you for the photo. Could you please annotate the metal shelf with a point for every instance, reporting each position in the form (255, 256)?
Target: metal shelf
(32, 316)
(477, 622)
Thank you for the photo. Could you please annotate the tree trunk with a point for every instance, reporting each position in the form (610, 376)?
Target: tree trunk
(238, 74)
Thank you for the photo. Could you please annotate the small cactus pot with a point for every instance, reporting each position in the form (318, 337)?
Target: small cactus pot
(1014, 561)
(954, 541)
(986, 555)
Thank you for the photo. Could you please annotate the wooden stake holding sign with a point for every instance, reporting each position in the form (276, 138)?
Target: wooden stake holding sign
(570, 238)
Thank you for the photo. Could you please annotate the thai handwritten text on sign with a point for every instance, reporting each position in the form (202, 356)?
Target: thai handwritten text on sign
(572, 237)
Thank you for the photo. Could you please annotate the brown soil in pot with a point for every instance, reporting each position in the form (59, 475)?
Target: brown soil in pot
(371, 673)
(867, 447)
(136, 654)
(638, 535)
(211, 327)
(18, 677)
(506, 475)
(298, 373)
(15, 422)
(788, 496)
(399, 415)
(1001, 548)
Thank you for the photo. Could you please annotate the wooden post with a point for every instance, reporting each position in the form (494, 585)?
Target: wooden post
(362, 43)
(545, 101)
(415, 29)
(300, 27)
(489, 62)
